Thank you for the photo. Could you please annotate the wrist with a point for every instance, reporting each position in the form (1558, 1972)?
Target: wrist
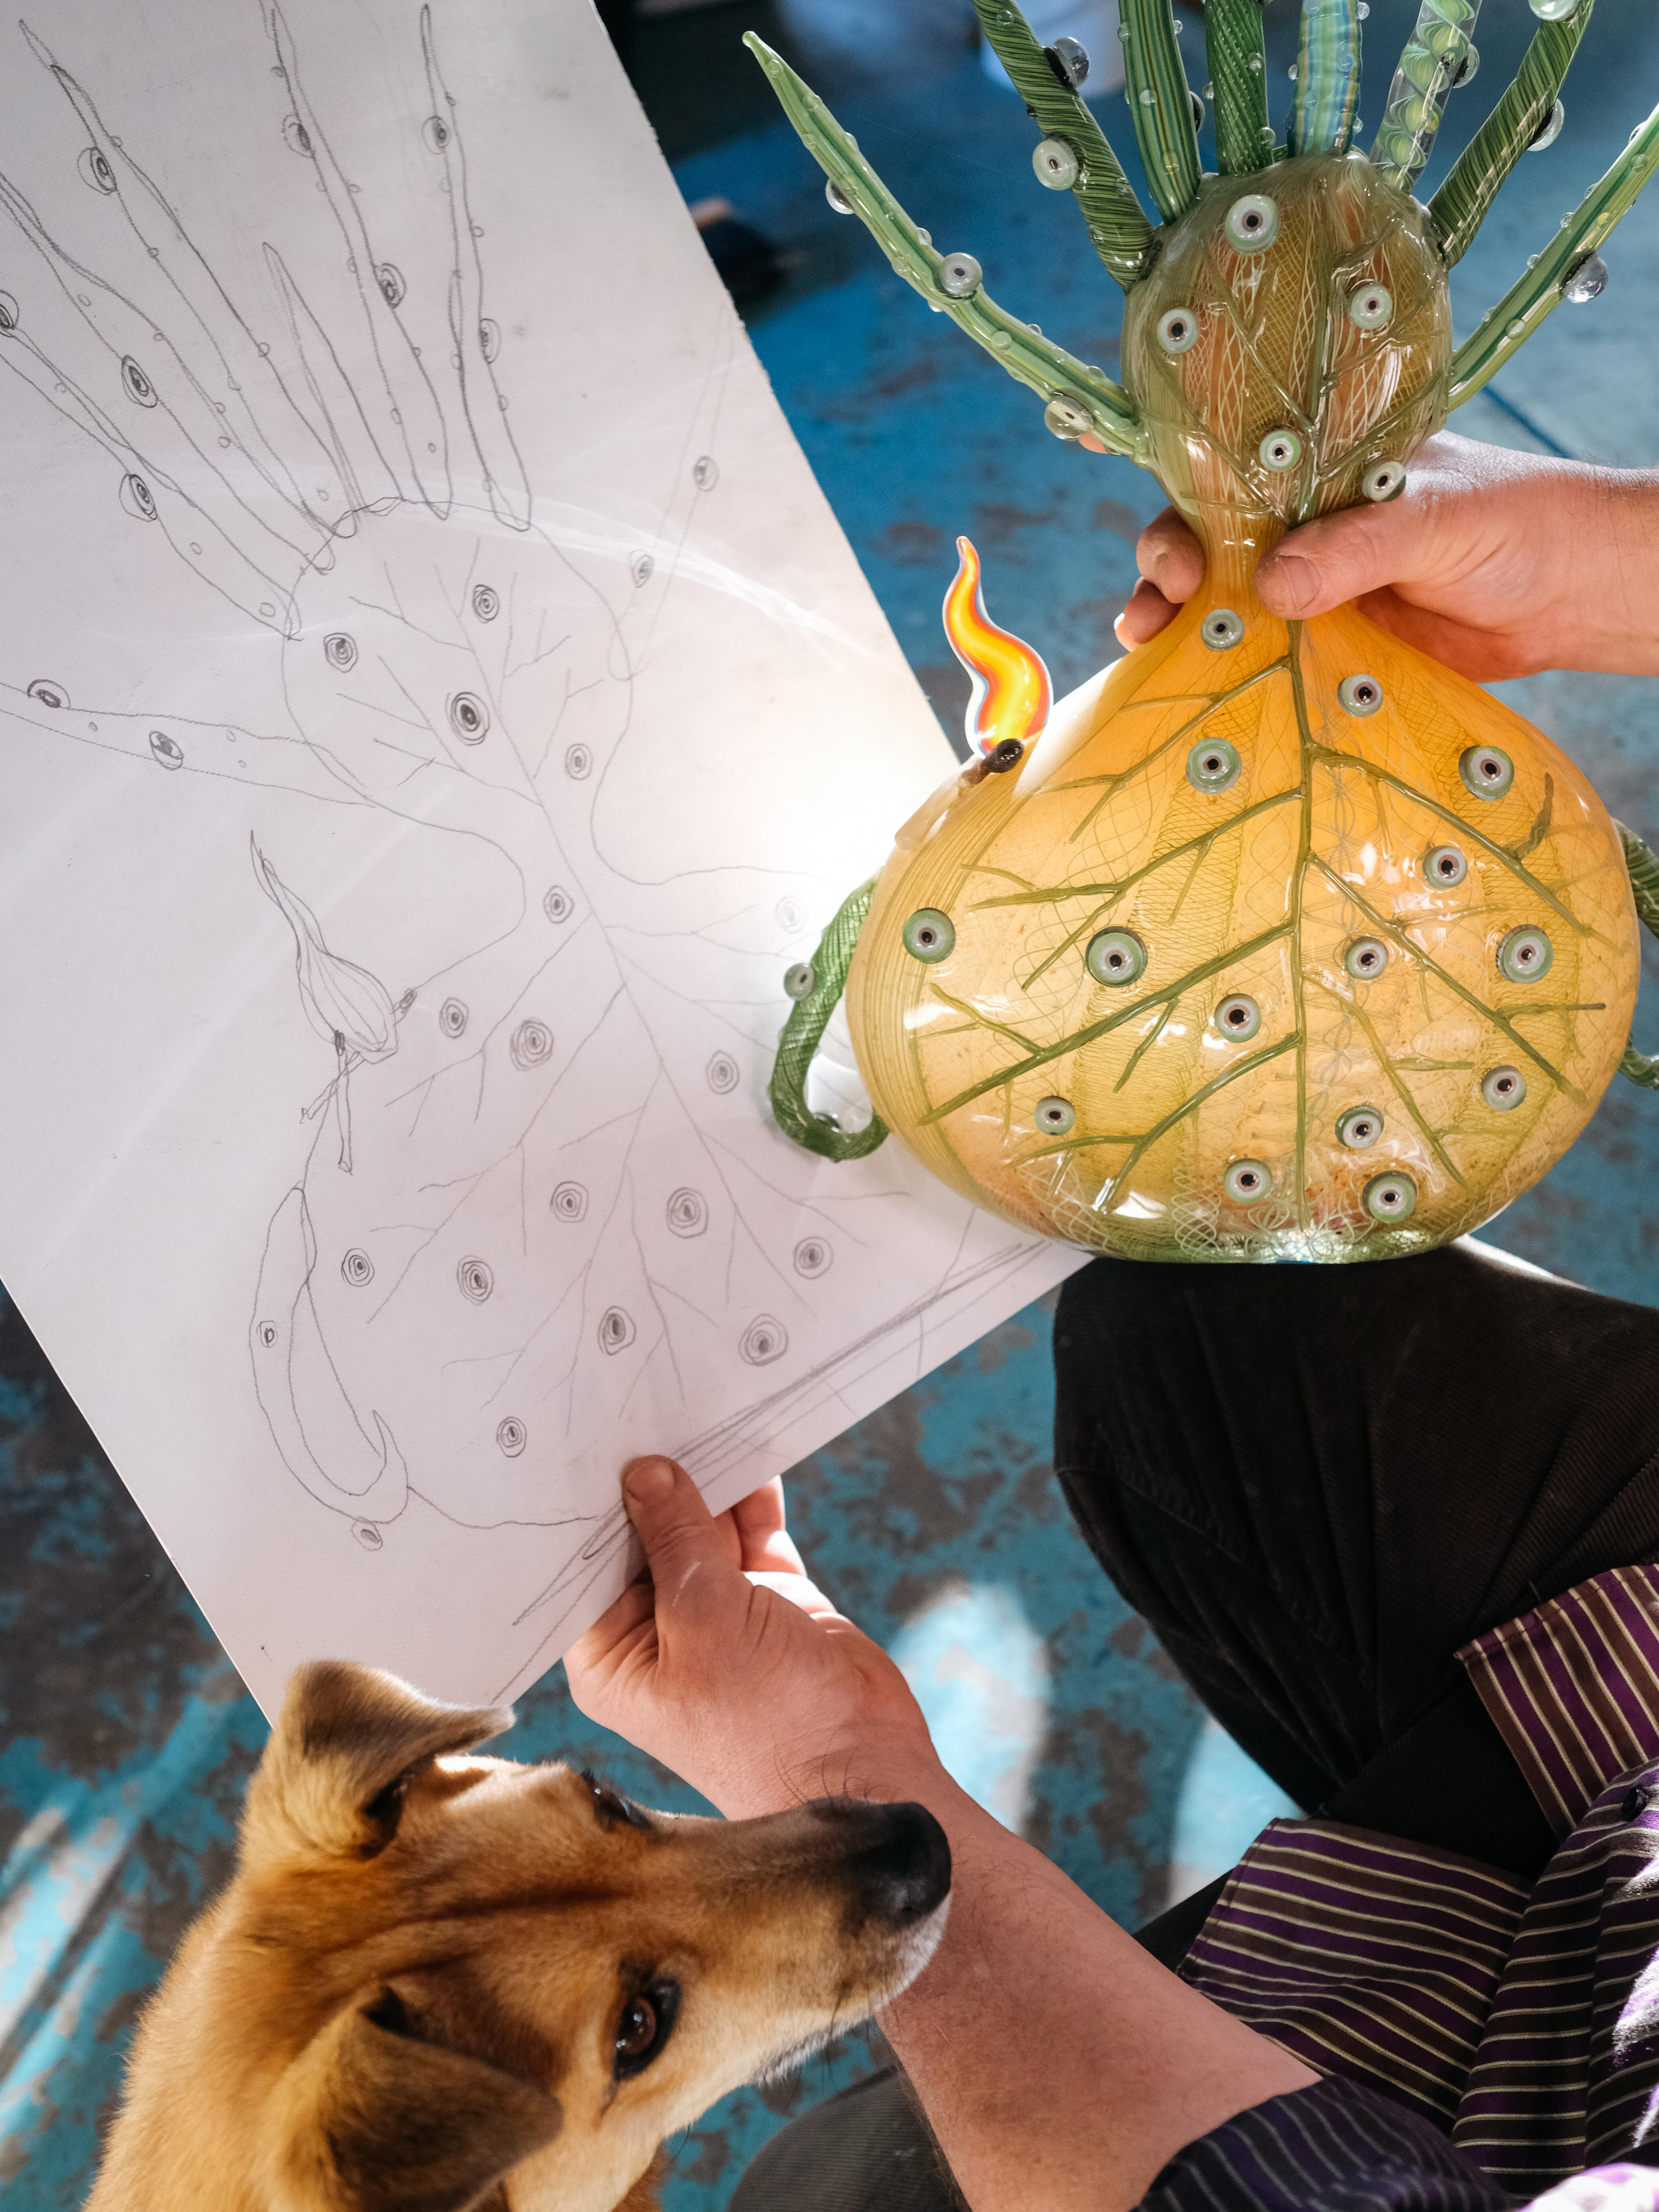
(888, 1766)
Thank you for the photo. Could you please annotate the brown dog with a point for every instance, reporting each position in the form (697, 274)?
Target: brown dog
(440, 1981)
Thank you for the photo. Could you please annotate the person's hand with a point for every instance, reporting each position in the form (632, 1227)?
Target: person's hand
(728, 1666)
(1496, 563)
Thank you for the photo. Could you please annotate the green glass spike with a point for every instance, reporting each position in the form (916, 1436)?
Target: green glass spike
(1117, 222)
(1505, 329)
(1238, 71)
(1327, 77)
(1459, 207)
(1643, 862)
(1427, 69)
(1161, 102)
(1080, 397)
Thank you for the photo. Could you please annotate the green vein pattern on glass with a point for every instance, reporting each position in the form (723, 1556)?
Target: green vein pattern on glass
(1327, 77)
(802, 1033)
(1161, 105)
(1410, 118)
(1031, 359)
(1459, 207)
(1237, 49)
(1643, 862)
(1535, 295)
(1117, 222)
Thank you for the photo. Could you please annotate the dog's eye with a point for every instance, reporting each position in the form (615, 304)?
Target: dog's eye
(643, 2027)
(610, 1806)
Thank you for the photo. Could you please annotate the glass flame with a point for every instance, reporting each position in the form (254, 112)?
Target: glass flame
(1011, 690)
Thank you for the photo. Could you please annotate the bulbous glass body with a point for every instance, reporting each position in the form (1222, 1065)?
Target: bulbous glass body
(1282, 940)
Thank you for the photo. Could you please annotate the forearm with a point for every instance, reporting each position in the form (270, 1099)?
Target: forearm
(1058, 2063)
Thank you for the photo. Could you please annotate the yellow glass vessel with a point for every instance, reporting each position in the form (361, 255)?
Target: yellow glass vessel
(1276, 940)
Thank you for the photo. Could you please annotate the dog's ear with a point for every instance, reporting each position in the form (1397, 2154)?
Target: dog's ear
(345, 1743)
(379, 2121)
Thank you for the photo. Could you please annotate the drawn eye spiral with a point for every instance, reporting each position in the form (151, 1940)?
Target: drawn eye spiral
(687, 1213)
(367, 1535)
(722, 1074)
(486, 602)
(476, 1279)
(616, 1330)
(390, 278)
(489, 337)
(578, 761)
(340, 651)
(469, 718)
(296, 137)
(764, 1340)
(267, 1334)
(533, 1042)
(94, 166)
(167, 751)
(512, 1436)
(452, 1018)
(138, 498)
(48, 694)
(558, 904)
(569, 1201)
(436, 131)
(813, 1256)
(357, 1268)
(138, 385)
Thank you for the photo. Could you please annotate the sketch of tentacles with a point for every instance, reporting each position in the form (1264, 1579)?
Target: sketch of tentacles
(486, 1251)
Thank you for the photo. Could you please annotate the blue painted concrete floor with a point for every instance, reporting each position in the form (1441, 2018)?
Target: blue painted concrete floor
(125, 1736)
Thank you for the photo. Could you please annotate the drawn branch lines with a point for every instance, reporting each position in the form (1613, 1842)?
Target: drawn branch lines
(529, 1203)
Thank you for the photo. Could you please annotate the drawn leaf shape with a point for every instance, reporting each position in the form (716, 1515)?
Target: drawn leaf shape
(343, 1002)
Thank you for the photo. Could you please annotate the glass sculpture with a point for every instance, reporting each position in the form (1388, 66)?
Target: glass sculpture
(1277, 939)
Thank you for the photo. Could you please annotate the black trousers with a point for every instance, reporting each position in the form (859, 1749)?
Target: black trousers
(1315, 1484)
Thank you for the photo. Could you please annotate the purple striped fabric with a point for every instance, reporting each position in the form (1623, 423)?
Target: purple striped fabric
(1525, 2025)
(1574, 1687)
(1365, 1956)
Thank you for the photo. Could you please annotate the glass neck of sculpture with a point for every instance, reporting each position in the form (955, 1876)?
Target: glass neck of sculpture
(1234, 540)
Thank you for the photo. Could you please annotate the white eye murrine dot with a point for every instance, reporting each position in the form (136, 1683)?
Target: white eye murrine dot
(1371, 308)
(1359, 695)
(1056, 164)
(1178, 331)
(960, 276)
(1503, 1089)
(1247, 1181)
(1280, 450)
(1383, 481)
(1252, 222)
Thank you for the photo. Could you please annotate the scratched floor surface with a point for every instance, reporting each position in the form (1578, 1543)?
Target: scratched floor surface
(125, 1736)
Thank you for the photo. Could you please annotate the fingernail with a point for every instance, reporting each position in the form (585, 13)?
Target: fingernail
(1287, 582)
(650, 1480)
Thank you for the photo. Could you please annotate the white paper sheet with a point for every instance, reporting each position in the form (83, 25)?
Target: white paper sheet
(435, 704)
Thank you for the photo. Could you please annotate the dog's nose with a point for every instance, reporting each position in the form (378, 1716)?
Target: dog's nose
(898, 1859)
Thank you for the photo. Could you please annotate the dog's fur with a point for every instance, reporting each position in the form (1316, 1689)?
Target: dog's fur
(411, 1996)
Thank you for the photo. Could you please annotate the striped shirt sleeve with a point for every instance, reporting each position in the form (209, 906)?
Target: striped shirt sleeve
(1335, 2148)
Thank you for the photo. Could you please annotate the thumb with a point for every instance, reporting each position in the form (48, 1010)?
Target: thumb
(1338, 557)
(685, 1550)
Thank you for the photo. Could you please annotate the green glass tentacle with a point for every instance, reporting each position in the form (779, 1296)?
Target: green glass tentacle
(1160, 104)
(1505, 329)
(803, 1032)
(1238, 70)
(1117, 222)
(1327, 77)
(1459, 207)
(1643, 862)
(1028, 357)
(1433, 54)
